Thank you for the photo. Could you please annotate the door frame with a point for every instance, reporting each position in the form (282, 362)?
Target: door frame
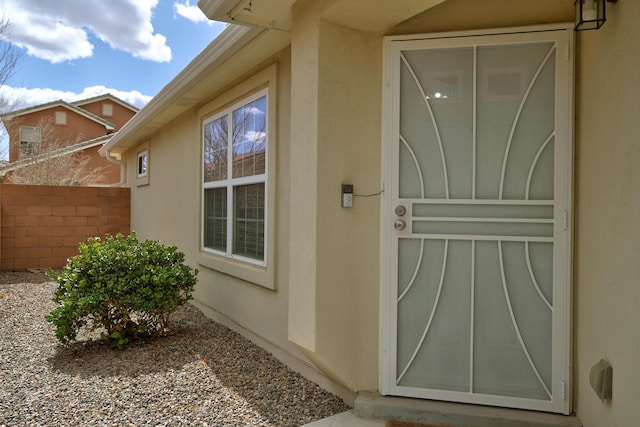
(562, 341)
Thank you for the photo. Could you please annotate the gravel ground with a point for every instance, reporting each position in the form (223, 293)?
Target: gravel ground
(202, 374)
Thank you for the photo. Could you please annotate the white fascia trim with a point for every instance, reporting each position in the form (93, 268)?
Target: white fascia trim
(230, 40)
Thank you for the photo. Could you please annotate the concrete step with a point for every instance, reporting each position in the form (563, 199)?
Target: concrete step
(346, 419)
(374, 406)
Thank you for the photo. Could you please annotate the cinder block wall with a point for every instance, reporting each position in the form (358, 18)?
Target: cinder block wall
(41, 226)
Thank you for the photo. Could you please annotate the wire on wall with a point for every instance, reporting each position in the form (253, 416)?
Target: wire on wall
(370, 195)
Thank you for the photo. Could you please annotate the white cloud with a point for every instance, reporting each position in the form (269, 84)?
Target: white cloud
(22, 97)
(254, 111)
(190, 12)
(60, 31)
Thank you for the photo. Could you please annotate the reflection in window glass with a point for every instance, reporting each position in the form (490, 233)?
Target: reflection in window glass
(235, 180)
(249, 138)
(215, 149)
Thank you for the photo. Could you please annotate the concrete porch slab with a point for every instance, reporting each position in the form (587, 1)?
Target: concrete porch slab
(346, 419)
(375, 406)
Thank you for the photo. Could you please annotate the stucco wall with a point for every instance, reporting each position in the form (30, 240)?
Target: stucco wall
(169, 207)
(336, 101)
(607, 246)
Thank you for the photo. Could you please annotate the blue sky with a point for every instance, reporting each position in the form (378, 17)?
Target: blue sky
(75, 49)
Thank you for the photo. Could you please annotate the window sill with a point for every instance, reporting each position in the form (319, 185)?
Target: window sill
(262, 276)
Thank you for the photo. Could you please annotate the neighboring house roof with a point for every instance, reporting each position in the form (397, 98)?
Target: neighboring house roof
(240, 48)
(59, 103)
(105, 97)
(8, 167)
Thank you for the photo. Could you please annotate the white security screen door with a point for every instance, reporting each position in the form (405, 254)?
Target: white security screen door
(476, 302)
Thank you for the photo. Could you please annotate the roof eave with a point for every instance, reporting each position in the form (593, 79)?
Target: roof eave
(236, 47)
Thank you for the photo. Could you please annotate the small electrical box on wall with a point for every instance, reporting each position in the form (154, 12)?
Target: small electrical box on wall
(347, 196)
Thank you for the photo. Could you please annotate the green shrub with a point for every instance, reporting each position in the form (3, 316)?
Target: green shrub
(125, 288)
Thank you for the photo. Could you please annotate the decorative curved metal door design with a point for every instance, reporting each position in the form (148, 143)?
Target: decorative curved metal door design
(480, 200)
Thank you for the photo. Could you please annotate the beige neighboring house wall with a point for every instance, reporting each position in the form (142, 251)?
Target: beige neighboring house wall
(325, 308)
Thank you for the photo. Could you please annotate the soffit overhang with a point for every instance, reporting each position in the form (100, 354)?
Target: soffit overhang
(366, 15)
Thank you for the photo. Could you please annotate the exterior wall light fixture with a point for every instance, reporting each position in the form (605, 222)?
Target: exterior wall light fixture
(591, 14)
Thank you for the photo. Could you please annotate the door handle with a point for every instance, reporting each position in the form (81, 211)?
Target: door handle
(399, 225)
(400, 210)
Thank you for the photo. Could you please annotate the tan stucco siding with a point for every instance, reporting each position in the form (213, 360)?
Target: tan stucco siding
(303, 193)
(349, 100)
(336, 92)
(607, 250)
(169, 207)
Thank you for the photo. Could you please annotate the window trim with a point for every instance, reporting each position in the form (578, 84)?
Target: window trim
(251, 270)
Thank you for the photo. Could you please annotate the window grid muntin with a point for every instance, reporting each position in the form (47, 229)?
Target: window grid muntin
(230, 182)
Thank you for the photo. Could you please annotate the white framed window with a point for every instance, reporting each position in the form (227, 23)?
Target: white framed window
(107, 110)
(30, 140)
(238, 191)
(61, 118)
(142, 165)
(235, 183)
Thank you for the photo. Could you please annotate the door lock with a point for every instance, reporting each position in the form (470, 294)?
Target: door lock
(399, 225)
(400, 210)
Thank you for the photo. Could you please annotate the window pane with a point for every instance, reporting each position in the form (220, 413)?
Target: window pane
(142, 164)
(248, 215)
(215, 149)
(215, 218)
(250, 138)
(29, 134)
